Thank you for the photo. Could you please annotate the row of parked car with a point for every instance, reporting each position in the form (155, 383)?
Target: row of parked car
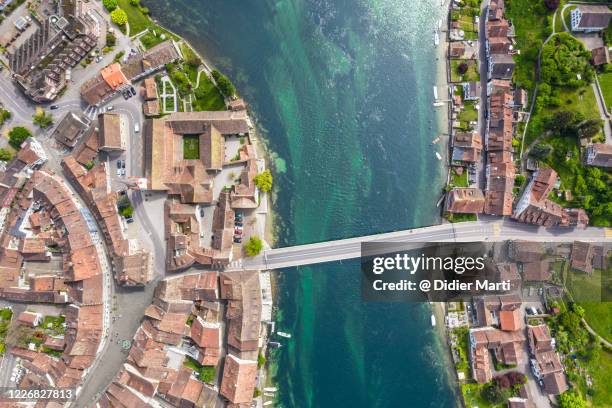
(238, 228)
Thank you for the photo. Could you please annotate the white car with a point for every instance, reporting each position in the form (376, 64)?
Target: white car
(136, 127)
(109, 108)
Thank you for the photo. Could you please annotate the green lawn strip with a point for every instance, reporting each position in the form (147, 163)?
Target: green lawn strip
(605, 82)
(137, 20)
(454, 218)
(531, 25)
(599, 316)
(472, 395)
(191, 147)
(207, 96)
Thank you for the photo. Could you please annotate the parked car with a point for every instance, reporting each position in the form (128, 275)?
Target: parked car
(110, 108)
(126, 95)
(136, 127)
(238, 216)
(53, 107)
(119, 172)
(129, 220)
(238, 240)
(118, 164)
(237, 232)
(238, 223)
(133, 91)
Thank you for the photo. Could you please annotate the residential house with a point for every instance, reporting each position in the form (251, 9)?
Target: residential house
(69, 129)
(600, 56)
(599, 154)
(501, 66)
(471, 91)
(467, 147)
(465, 201)
(590, 18)
(113, 132)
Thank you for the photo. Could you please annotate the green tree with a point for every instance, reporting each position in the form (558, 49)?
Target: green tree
(110, 5)
(119, 17)
(225, 85)
(4, 116)
(17, 136)
(127, 212)
(135, 3)
(540, 151)
(519, 180)
(111, 39)
(263, 181)
(571, 399)
(254, 246)
(5, 155)
(589, 128)
(42, 119)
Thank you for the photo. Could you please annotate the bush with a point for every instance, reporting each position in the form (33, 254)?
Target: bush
(119, 17)
(135, 3)
(118, 56)
(225, 85)
(207, 374)
(111, 40)
(17, 136)
(4, 116)
(263, 181)
(462, 68)
(570, 399)
(519, 180)
(5, 155)
(110, 5)
(41, 119)
(127, 212)
(254, 246)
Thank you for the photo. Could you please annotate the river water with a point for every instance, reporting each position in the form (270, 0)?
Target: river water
(342, 91)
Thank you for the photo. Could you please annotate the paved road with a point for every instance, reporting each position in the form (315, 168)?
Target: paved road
(487, 229)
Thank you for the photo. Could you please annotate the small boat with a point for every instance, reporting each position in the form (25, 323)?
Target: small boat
(439, 24)
(438, 156)
(270, 389)
(435, 89)
(275, 344)
(436, 39)
(268, 403)
(268, 394)
(433, 320)
(438, 104)
(283, 334)
(436, 140)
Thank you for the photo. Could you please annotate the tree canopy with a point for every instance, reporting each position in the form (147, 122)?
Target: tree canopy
(110, 5)
(42, 119)
(225, 85)
(570, 399)
(119, 17)
(563, 58)
(263, 181)
(254, 246)
(17, 136)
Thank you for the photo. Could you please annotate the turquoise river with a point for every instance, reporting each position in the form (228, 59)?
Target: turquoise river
(342, 92)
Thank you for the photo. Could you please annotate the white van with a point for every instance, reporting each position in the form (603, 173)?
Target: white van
(136, 127)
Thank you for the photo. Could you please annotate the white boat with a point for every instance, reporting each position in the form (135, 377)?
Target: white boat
(268, 403)
(435, 88)
(283, 334)
(438, 156)
(268, 394)
(438, 104)
(270, 389)
(439, 24)
(433, 320)
(436, 39)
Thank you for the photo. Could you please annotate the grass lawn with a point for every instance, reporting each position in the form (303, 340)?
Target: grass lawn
(207, 96)
(470, 75)
(459, 180)
(599, 316)
(205, 373)
(469, 113)
(136, 19)
(581, 100)
(531, 25)
(605, 81)
(454, 218)
(472, 395)
(602, 385)
(191, 147)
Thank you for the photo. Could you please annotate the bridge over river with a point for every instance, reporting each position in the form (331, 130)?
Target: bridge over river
(474, 231)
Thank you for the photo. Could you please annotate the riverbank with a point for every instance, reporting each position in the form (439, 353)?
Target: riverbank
(443, 85)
